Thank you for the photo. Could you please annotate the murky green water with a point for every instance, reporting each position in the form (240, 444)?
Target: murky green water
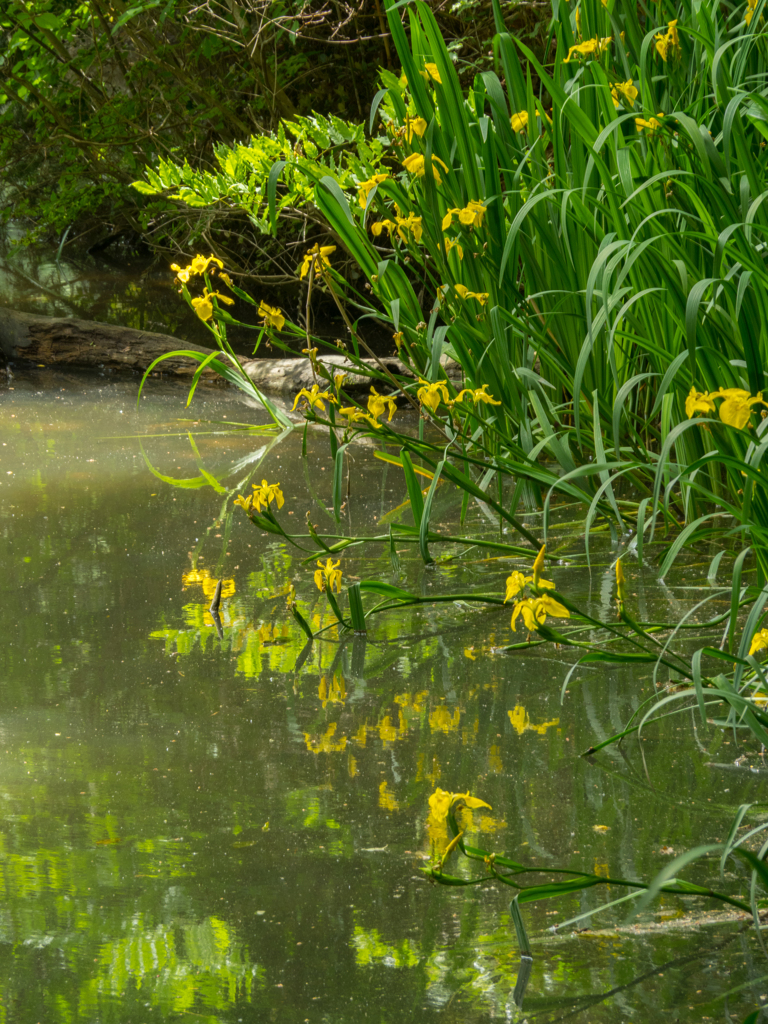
(135, 292)
(194, 827)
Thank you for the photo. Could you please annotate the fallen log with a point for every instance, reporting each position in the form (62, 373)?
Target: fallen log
(68, 341)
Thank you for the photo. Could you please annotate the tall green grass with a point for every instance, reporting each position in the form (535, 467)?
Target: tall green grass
(616, 191)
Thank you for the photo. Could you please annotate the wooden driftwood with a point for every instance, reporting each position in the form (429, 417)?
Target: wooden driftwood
(67, 341)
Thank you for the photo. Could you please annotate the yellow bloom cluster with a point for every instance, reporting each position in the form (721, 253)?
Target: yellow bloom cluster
(464, 293)
(668, 43)
(314, 397)
(476, 395)
(735, 409)
(263, 494)
(589, 48)
(651, 125)
(318, 254)
(272, 317)
(365, 187)
(414, 164)
(449, 244)
(430, 395)
(379, 404)
(199, 265)
(519, 121)
(414, 126)
(471, 216)
(534, 610)
(411, 223)
(625, 91)
(328, 576)
(356, 415)
(518, 581)
(430, 72)
(203, 305)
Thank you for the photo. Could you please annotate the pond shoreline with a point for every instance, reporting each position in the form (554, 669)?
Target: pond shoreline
(72, 342)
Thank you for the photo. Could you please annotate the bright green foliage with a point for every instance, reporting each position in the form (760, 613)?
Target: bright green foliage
(92, 93)
(310, 147)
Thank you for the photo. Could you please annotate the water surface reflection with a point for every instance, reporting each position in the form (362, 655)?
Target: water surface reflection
(232, 828)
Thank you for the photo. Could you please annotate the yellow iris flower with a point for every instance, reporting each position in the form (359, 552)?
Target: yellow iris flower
(199, 265)
(518, 581)
(414, 126)
(355, 415)
(589, 48)
(183, 273)
(272, 316)
(464, 293)
(470, 215)
(410, 223)
(365, 187)
(625, 91)
(538, 565)
(379, 404)
(698, 401)
(519, 121)
(263, 495)
(668, 43)
(414, 164)
(383, 225)
(535, 611)
(651, 125)
(449, 244)
(328, 576)
(430, 394)
(315, 398)
(317, 254)
(476, 395)
(398, 339)
(750, 11)
(203, 305)
(759, 641)
(735, 409)
(430, 71)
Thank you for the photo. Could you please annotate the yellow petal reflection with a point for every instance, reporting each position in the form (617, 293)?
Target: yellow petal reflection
(387, 799)
(521, 722)
(441, 719)
(325, 744)
(208, 582)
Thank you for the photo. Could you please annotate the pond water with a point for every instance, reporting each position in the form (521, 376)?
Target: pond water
(233, 828)
(138, 291)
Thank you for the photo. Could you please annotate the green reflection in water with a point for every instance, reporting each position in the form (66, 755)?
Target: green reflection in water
(232, 828)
